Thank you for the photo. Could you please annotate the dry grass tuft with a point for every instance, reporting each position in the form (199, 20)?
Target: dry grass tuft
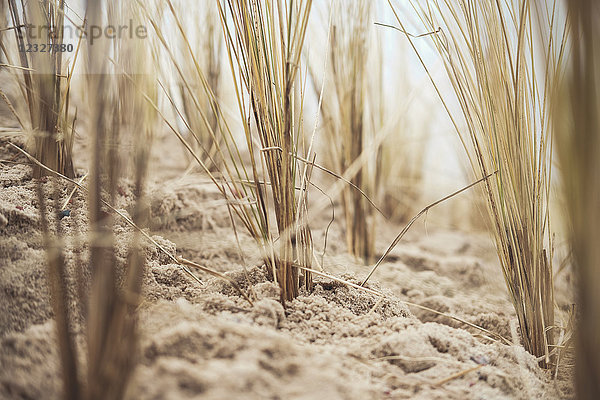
(44, 80)
(366, 129)
(502, 59)
(578, 139)
(264, 44)
(267, 193)
(346, 117)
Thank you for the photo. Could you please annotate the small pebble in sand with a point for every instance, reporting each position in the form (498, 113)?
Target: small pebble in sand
(480, 359)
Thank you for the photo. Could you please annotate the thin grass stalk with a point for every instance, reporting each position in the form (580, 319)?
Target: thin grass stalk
(491, 58)
(3, 28)
(102, 292)
(578, 138)
(116, 107)
(57, 283)
(303, 232)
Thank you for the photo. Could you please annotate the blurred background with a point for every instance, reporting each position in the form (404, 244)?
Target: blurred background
(428, 159)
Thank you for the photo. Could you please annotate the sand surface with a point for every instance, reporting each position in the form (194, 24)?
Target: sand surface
(205, 341)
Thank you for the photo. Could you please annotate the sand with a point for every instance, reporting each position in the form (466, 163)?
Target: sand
(205, 341)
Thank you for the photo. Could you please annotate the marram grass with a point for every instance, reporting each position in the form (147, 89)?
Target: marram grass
(264, 43)
(44, 81)
(502, 74)
(267, 193)
(366, 136)
(346, 116)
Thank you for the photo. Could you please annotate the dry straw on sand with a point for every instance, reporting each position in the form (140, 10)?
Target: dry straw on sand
(502, 73)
